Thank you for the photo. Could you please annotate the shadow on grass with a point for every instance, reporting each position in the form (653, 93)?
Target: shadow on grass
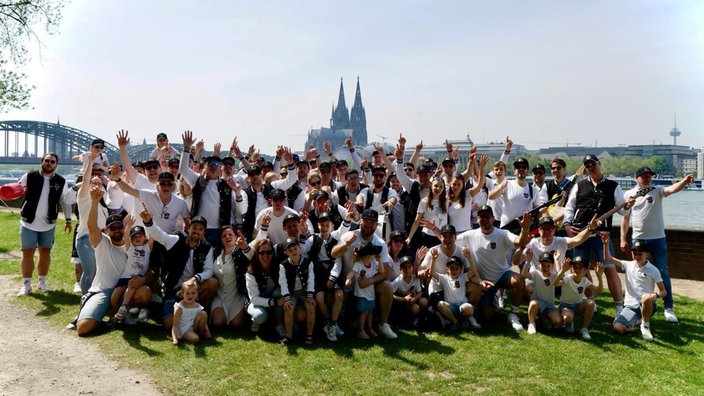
(54, 302)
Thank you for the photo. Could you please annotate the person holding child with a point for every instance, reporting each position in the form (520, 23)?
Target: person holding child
(190, 318)
(572, 299)
(409, 301)
(132, 288)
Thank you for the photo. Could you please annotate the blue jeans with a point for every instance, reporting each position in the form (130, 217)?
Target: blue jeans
(87, 255)
(593, 243)
(658, 251)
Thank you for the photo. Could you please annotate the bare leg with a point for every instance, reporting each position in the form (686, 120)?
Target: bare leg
(614, 283)
(27, 265)
(44, 261)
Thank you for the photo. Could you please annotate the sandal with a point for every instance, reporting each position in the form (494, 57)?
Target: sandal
(284, 341)
(309, 340)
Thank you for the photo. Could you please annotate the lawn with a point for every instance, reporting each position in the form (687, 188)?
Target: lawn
(491, 361)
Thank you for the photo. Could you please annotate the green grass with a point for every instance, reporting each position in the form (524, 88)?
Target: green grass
(495, 360)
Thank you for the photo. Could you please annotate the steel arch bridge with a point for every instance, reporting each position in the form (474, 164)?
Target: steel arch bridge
(31, 139)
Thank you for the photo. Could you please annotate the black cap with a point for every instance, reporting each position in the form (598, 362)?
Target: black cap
(229, 158)
(342, 163)
(113, 219)
(166, 176)
(423, 168)
(639, 246)
(370, 214)
(579, 261)
(644, 170)
(290, 216)
(290, 242)
(539, 167)
(448, 229)
(151, 162)
(254, 170)
(367, 249)
(447, 159)
(405, 259)
(431, 163)
(266, 164)
(138, 164)
(321, 194)
(590, 158)
(485, 208)
(200, 219)
(325, 165)
(455, 260)
(546, 257)
(161, 135)
(212, 158)
(137, 230)
(396, 234)
(351, 172)
(520, 161)
(97, 141)
(379, 168)
(324, 216)
(174, 161)
(546, 220)
(277, 192)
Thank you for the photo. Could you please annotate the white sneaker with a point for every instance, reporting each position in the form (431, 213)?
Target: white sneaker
(255, 327)
(670, 315)
(585, 334)
(569, 328)
(500, 302)
(24, 290)
(531, 328)
(42, 286)
(338, 331)
(121, 312)
(514, 322)
(143, 314)
(473, 323)
(77, 288)
(129, 320)
(134, 310)
(385, 329)
(331, 333)
(645, 332)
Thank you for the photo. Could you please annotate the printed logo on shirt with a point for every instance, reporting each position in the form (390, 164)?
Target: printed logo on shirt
(362, 273)
(580, 290)
(649, 199)
(457, 284)
(546, 281)
(493, 245)
(525, 195)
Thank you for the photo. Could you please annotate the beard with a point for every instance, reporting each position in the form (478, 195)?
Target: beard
(116, 236)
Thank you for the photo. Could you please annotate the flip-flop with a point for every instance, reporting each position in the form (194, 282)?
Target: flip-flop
(309, 340)
(284, 341)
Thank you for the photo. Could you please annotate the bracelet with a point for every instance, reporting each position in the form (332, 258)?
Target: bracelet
(119, 179)
(68, 220)
(507, 151)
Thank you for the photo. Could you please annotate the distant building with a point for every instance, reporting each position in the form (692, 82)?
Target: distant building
(343, 123)
(437, 152)
(700, 163)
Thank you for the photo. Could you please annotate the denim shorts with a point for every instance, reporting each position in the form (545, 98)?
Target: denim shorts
(504, 282)
(546, 306)
(573, 307)
(32, 239)
(97, 306)
(364, 305)
(630, 315)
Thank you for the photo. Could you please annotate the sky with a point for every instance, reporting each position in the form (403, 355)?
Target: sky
(545, 73)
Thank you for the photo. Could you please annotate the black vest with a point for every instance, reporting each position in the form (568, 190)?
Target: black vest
(370, 196)
(335, 216)
(322, 269)
(293, 271)
(225, 199)
(177, 257)
(592, 200)
(292, 194)
(241, 264)
(263, 279)
(35, 184)
(250, 216)
(342, 195)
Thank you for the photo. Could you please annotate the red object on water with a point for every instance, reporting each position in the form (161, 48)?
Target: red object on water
(12, 191)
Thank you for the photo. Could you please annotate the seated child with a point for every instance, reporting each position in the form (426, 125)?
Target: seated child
(572, 299)
(366, 271)
(455, 306)
(641, 279)
(542, 301)
(409, 302)
(190, 319)
(297, 281)
(138, 250)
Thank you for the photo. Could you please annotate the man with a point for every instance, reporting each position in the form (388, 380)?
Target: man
(559, 184)
(111, 260)
(349, 241)
(539, 178)
(377, 196)
(39, 212)
(351, 188)
(517, 196)
(277, 213)
(649, 226)
(489, 247)
(187, 256)
(323, 204)
(596, 195)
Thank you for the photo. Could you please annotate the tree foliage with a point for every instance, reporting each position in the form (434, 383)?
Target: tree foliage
(19, 21)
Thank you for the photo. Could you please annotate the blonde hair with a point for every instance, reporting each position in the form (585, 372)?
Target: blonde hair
(191, 283)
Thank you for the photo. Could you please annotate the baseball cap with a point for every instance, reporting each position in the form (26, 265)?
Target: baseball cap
(113, 219)
(546, 257)
(254, 170)
(644, 170)
(290, 242)
(166, 176)
(405, 259)
(161, 135)
(639, 246)
(137, 230)
(212, 158)
(485, 208)
(97, 141)
(367, 249)
(370, 214)
(538, 167)
(290, 216)
(200, 219)
(446, 160)
(174, 161)
(423, 168)
(454, 260)
(321, 194)
(546, 220)
(448, 229)
(396, 234)
(277, 192)
(590, 158)
(520, 161)
(579, 261)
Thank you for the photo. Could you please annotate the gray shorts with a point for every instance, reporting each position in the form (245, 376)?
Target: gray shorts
(33, 239)
(97, 306)
(630, 315)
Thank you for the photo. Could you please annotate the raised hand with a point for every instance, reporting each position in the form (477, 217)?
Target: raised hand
(401, 140)
(434, 253)
(448, 146)
(216, 149)
(122, 138)
(327, 148)
(279, 151)
(187, 138)
(115, 172)
(348, 142)
(509, 143)
(419, 146)
(145, 215)
(96, 192)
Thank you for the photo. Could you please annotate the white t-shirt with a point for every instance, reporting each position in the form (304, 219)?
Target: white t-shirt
(84, 204)
(441, 265)
(110, 262)
(368, 273)
(455, 289)
(489, 252)
(137, 261)
(276, 232)
(376, 198)
(639, 281)
(543, 286)
(558, 244)
(40, 224)
(572, 292)
(165, 216)
(347, 262)
(460, 217)
(401, 287)
(647, 217)
(114, 197)
(435, 214)
(516, 200)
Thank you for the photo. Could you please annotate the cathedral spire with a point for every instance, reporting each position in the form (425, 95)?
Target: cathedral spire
(341, 115)
(358, 119)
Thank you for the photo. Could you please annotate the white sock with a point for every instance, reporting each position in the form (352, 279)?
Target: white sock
(27, 281)
(42, 278)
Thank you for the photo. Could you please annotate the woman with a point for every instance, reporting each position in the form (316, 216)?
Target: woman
(262, 284)
(314, 185)
(459, 207)
(229, 269)
(397, 249)
(431, 214)
(163, 150)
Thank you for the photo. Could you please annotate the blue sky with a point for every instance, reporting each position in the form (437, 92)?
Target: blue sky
(543, 72)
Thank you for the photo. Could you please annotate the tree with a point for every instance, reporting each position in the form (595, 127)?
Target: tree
(18, 21)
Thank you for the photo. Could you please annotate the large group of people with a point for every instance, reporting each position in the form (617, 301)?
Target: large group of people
(302, 247)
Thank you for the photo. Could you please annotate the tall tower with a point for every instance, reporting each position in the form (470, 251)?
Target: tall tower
(674, 132)
(358, 119)
(341, 115)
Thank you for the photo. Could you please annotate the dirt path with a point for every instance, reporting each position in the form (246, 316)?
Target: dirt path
(38, 358)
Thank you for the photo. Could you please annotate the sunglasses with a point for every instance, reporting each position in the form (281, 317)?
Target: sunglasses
(278, 199)
(99, 147)
(521, 167)
(315, 183)
(555, 167)
(151, 167)
(228, 163)
(166, 184)
(213, 163)
(448, 165)
(115, 227)
(379, 176)
(50, 161)
(408, 170)
(589, 165)
(265, 252)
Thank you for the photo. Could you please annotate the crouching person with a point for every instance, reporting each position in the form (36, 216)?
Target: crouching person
(572, 299)
(262, 286)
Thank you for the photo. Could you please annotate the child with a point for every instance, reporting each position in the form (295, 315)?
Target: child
(409, 302)
(138, 250)
(572, 298)
(190, 319)
(641, 279)
(455, 306)
(543, 297)
(297, 281)
(366, 271)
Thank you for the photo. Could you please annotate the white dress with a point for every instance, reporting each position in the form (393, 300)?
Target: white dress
(227, 297)
(188, 316)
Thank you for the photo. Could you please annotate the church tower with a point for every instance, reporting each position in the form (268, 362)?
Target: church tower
(340, 116)
(358, 119)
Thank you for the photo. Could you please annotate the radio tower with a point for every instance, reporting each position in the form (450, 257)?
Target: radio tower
(674, 132)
